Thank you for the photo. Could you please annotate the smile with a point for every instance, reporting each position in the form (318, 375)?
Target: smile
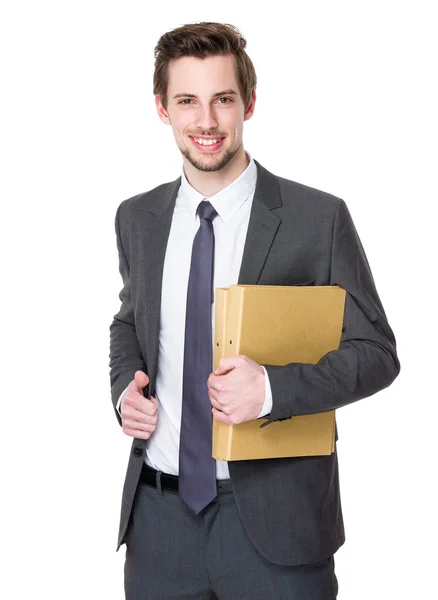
(207, 144)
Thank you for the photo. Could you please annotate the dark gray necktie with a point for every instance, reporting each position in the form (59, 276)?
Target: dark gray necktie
(197, 468)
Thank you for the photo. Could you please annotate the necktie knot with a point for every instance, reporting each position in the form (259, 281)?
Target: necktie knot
(206, 210)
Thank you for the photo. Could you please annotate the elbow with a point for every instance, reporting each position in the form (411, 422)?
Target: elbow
(396, 366)
(390, 367)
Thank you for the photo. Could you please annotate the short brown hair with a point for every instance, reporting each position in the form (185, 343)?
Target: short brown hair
(202, 40)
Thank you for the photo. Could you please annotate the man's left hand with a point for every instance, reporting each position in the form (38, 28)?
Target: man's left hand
(236, 390)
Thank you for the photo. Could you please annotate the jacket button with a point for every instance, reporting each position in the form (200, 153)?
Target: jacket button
(138, 451)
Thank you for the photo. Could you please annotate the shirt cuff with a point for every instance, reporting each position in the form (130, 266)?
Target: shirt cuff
(267, 405)
(119, 401)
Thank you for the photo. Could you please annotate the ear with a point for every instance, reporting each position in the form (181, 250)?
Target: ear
(249, 111)
(162, 112)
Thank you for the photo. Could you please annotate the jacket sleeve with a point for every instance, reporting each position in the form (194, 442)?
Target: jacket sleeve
(366, 360)
(125, 353)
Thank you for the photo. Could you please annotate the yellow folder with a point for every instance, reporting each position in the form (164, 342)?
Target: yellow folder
(276, 325)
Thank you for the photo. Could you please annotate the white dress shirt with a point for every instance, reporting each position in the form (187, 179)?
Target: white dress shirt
(233, 205)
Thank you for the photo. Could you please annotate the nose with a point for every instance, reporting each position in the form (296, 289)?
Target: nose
(206, 118)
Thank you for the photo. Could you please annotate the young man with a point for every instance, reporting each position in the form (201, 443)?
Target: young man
(195, 527)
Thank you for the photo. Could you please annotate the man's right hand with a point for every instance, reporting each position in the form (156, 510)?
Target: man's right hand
(139, 414)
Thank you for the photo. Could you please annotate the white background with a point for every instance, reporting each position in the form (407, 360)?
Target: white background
(346, 103)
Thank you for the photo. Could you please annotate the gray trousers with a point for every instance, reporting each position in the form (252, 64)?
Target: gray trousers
(171, 554)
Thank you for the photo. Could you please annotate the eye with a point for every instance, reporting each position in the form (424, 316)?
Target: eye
(228, 100)
(185, 101)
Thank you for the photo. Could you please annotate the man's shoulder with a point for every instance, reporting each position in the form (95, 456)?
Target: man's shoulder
(293, 191)
(147, 199)
(293, 196)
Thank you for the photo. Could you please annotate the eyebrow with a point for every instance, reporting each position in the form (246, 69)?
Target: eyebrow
(228, 92)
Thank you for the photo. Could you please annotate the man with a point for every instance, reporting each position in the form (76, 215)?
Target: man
(195, 527)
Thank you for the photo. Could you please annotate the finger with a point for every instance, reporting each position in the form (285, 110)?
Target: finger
(141, 435)
(130, 424)
(128, 412)
(220, 416)
(215, 403)
(141, 380)
(139, 402)
(220, 371)
(215, 383)
(228, 363)
(149, 407)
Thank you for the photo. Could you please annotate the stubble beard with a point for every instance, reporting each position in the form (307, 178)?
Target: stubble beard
(213, 166)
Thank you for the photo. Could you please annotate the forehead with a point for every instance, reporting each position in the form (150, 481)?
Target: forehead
(204, 75)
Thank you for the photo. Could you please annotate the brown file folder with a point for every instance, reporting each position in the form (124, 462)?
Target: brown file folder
(276, 325)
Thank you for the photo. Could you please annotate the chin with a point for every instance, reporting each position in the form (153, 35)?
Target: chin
(209, 163)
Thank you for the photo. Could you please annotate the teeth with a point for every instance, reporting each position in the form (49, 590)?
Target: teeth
(206, 142)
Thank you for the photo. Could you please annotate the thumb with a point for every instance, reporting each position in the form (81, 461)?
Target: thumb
(225, 365)
(141, 380)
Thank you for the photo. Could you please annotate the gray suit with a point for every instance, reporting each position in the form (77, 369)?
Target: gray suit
(290, 507)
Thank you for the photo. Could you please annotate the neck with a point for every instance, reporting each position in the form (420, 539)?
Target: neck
(209, 183)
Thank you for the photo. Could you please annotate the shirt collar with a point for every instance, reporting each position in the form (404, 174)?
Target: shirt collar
(227, 201)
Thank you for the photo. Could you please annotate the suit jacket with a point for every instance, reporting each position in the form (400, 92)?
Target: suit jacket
(290, 507)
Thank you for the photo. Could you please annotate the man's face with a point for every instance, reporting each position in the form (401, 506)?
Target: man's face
(206, 110)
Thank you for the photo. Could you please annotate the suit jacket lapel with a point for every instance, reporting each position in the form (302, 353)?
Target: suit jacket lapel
(155, 227)
(262, 227)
